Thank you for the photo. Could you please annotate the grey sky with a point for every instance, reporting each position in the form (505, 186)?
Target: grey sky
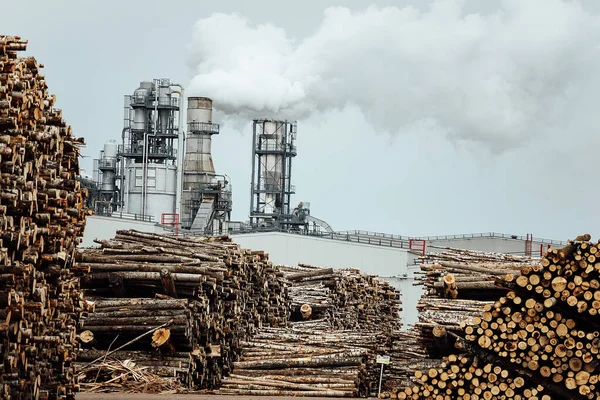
(356, 173)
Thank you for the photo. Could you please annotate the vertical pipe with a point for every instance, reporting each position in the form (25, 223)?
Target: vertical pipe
(180, 154)
(252, 180)
(284, 210)
(289, 175)
(122, 165)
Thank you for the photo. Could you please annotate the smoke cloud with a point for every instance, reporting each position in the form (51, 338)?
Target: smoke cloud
(496, 76)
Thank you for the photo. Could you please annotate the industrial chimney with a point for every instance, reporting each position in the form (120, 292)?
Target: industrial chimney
(206, 197)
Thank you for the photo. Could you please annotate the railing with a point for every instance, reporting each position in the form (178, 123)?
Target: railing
(277, 147)
(147, 101)
(199, 127)
(274, 188)
(155, 151)
(491, 234)
(107, 163)
(122, 215)
(341, 236)
(171, 219)
(378, 235)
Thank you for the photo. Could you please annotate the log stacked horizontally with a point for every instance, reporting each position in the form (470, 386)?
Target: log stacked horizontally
(340, 320)
(42, 218)
(458, 284)
(205, 294)
(544, 330)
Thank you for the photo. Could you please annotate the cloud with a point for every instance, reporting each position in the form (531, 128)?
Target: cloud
(497, 77)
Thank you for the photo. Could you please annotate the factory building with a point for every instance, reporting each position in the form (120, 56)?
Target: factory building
(158, 173)
(161, 178)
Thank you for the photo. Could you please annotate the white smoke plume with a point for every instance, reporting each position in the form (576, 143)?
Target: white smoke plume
(495, 76)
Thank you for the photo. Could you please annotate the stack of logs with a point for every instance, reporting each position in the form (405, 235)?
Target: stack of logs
(340, 321)
(41, 221)
(544, 332)
(458, 284)
(205, 294)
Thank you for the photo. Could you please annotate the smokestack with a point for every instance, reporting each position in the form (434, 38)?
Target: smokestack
(198, 168)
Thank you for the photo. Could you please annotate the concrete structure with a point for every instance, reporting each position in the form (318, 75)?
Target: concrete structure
(291, 249)
(494, 242)
(104, 228)
(390, 263)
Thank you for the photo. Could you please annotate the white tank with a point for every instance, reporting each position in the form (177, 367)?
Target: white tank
(140, 119)
(140, 96)
(108, 167)
(161, 189)
(110, 149)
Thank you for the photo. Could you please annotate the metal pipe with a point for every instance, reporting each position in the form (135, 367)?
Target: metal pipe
(252, 181)
(180, 143)
(122, 162)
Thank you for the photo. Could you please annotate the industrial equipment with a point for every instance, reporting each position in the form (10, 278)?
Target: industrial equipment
(206, 197)
(301, 219)
(272, 152)
(148, 177)
(139, 176)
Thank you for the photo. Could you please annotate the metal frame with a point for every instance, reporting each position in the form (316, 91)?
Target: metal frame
(285, 151)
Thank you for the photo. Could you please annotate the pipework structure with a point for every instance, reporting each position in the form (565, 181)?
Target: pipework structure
(206, 197)
(272, 152)
(140, 175)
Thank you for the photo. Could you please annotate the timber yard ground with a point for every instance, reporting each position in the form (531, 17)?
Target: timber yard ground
(124, 396)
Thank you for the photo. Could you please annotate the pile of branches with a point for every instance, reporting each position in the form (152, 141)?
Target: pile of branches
(42, 219)
(194, 299)
(545, 331)
(124, 375)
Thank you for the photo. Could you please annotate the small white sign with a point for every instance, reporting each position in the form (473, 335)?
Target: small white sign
(383, 359)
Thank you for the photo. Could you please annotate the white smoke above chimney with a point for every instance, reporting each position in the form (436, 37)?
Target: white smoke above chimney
(497, 77)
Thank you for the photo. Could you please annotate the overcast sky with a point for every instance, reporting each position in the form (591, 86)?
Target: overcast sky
(414, 118)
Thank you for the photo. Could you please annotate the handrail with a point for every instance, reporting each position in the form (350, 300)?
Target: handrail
(491, 234)
(341, 236)
(459, 236)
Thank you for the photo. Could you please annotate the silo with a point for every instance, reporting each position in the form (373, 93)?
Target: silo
(160, 189)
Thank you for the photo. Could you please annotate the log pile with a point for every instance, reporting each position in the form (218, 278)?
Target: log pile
(458, 285)
(206, 294)
(340, 321)
(302, 362)
(42, 218)
(346, 298)
(543, 331)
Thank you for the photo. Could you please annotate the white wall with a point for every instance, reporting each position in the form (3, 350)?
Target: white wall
(495, 244)
(98, 227)
(291, 249)
(389, 263)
